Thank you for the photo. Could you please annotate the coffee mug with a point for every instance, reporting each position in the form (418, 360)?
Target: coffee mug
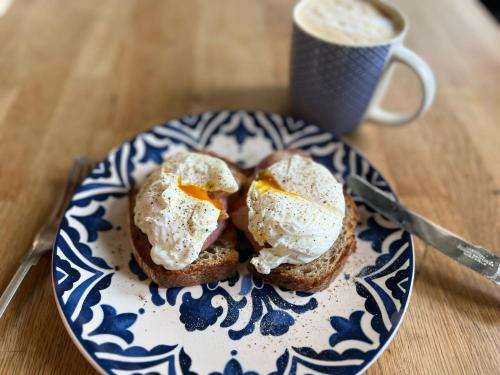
(337, 85)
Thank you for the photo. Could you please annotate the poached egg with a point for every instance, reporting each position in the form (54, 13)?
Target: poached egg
(295, 211)
(177, 207)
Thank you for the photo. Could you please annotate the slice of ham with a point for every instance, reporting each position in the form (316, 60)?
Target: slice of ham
(221, 225)
(239, 217)
(222, 197)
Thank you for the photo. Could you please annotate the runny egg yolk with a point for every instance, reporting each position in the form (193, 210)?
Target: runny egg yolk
(199, 193)
(267, 183)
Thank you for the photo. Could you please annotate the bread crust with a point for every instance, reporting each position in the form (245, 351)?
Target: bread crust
(302, 277)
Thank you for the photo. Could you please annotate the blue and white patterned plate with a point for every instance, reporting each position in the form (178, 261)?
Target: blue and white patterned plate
(124, 324)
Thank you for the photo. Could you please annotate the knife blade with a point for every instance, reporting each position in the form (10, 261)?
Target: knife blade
(472, 256)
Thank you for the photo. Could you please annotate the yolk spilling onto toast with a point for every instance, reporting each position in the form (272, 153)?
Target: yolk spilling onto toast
(267, 183)
(199, 193)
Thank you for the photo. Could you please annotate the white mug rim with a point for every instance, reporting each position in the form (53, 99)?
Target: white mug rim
(386, 6)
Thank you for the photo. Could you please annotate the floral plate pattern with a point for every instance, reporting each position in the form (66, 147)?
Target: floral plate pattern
(125, 324)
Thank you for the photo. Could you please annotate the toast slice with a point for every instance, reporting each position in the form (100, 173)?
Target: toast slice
(217, 262)
(317, 275)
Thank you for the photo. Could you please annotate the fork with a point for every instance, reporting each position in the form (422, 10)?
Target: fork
(45, 237)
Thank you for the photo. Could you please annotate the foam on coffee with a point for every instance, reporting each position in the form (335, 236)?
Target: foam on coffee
(345, 21)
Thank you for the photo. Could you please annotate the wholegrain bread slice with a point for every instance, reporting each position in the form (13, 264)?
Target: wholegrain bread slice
(217, 262)
(318, 274)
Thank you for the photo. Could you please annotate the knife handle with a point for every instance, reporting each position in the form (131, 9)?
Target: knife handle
(472, 256)
(482, 257)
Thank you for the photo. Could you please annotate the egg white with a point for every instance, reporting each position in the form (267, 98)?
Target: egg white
(178, 224)
(298, 217)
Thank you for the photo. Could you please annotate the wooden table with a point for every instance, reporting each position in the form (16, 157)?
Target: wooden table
(79, 77)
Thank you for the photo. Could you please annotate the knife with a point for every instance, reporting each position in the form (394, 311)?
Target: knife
(475, 257)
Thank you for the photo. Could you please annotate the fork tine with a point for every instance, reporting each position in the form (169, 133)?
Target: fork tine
(60, 200)
(84, 170)
(78, 172)
(90, 166)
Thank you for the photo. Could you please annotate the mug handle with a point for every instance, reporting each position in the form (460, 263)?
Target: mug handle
(419, 66)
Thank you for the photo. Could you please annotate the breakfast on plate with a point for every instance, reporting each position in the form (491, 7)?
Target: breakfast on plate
(179, 226)
(299, 220)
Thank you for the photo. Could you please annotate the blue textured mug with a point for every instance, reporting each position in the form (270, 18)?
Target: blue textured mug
(337, 86)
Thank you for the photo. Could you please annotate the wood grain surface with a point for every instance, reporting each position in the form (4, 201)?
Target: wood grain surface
(80, 77)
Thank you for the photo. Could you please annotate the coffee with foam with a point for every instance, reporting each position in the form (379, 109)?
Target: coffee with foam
(352, 22)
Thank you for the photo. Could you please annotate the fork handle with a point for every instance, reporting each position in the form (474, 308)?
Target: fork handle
(13, 285)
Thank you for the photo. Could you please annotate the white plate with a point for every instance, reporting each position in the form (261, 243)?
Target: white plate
(124, 324)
